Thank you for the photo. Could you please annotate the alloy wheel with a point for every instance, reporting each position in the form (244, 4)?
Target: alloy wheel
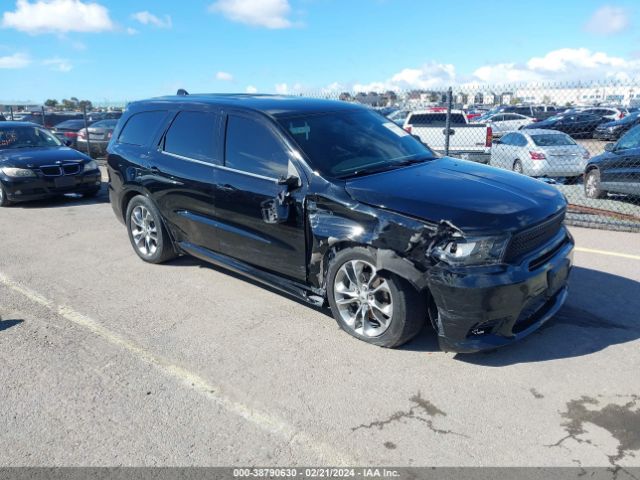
(144, 230)
(363, 298)
(591, 185)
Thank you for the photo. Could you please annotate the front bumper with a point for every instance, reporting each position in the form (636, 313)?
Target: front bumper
(41, 187)
(600, 135)
(482, 308)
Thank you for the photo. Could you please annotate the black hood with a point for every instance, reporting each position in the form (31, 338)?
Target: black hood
(36, 157)
(473, 197)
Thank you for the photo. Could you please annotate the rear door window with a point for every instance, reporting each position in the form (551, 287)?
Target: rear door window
(253, 148)
(630, 140)
(194, 135)
(141, 127)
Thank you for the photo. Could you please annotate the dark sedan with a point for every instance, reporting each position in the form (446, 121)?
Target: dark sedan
(617, 170)
(614, 130)
(67, 131)
(575, 124)
(98, 136)
(34, 165)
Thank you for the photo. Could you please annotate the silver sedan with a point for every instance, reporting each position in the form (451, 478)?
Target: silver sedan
(539, 153)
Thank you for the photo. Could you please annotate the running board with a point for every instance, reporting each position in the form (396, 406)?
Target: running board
(285, 285)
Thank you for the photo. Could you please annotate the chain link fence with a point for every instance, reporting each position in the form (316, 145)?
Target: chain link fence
(583, 138)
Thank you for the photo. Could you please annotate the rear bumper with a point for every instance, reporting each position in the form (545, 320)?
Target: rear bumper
(486, 309)
(98, 148)
(605, 135)
(27, 189)
(473, 156)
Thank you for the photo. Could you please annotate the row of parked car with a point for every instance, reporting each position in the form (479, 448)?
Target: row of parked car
(540, 141)
(70, 128)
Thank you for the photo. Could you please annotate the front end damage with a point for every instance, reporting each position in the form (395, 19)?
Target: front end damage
(473, 307)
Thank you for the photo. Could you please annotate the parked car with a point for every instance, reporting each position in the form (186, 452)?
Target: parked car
(536, 112)
(399, 116)
(617, 170)
(99, 135)
(610, 113)
(98, 116)
(469, 141)
(50, 119)
(614, 130)
(505, 122)
(333, 203)
(35, 165)
(67, 131)
(2, 118)
(540, 153)
(577, 124)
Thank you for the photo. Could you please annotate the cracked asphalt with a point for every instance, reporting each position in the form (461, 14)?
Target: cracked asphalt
(106, 360)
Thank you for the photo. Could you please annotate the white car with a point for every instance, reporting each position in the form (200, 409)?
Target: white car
(539, 153)
(506, 122)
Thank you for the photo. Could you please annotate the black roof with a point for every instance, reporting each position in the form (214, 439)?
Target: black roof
(11, 123)
(273, 105)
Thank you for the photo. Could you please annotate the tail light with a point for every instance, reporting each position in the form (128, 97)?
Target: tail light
(534, 120)
(81, 134)
(407, 129)
(70, 134)
(109, 135)
(537, 156)
(621, 115)
(489, 139)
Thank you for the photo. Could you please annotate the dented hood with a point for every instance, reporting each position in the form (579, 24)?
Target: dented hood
(472, 196)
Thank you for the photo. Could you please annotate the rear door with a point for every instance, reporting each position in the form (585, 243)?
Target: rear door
(182, 175)
(247, 192)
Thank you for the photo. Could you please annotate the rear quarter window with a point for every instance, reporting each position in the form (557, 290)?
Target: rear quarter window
(141, 127)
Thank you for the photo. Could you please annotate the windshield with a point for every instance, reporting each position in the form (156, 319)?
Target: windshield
(26, 137)
(352, 143)
(552, 140)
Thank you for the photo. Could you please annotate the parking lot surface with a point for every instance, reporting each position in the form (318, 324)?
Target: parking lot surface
(107, 360)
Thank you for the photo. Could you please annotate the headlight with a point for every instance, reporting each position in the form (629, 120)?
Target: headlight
(471, 250)
(18, 172)
(92, 165)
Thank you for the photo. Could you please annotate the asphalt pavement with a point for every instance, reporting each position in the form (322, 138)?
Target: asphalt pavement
(106, 360)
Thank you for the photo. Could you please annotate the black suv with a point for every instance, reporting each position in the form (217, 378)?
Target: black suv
(331, 202)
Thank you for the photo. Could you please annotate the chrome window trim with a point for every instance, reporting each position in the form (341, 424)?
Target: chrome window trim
(222, 167)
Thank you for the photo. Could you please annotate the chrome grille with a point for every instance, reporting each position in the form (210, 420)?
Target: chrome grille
(533, 238)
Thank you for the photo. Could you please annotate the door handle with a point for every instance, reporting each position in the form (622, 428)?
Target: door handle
(227, 188)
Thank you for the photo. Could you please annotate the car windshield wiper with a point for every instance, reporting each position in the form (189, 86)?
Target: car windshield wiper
(389, 166)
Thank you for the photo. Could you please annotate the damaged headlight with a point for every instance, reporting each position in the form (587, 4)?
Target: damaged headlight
(459, 250)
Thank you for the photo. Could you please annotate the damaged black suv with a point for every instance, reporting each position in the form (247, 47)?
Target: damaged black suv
(332, 203)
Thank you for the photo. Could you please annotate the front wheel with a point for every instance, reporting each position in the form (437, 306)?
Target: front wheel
(147, 233)
(4, 201)
(592, 188)
(382, 309)
(517, 167)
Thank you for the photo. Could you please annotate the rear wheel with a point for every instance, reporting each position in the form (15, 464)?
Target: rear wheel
(4, 201)
(147, 233)
(592, 188)
(382, 309)
(517, 167)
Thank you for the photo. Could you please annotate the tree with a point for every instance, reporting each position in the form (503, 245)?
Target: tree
(51, 102)
(85, 103)
(546, 99)
(515, 100)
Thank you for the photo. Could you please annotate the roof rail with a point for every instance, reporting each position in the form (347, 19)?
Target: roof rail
(182, 92)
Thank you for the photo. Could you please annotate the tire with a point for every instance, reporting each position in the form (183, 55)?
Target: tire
(389, 327)
(92, 193)
(592, 187)
(517, 167)
(147, 234)
(4, 201)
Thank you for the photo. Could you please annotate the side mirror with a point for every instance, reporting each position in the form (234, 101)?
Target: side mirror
(291, 181)
(68, 142)
(609, 147)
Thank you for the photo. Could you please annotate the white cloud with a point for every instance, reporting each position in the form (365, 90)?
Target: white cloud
(58, 64)
(148, 18)
(251, 89)
(132, 31)
(262, 13)
(608, 20)
(15, 61)
(224, 76)
(430, 75)
(282, 88)
(58, 16)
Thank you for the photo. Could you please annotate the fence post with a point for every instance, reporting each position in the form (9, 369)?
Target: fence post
(11, 111)
(447, 128)
(86, 129)
(44, 123)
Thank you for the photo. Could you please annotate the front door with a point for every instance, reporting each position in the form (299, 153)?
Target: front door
(248, 192)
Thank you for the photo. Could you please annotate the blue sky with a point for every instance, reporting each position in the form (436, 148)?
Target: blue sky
(114, 50)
